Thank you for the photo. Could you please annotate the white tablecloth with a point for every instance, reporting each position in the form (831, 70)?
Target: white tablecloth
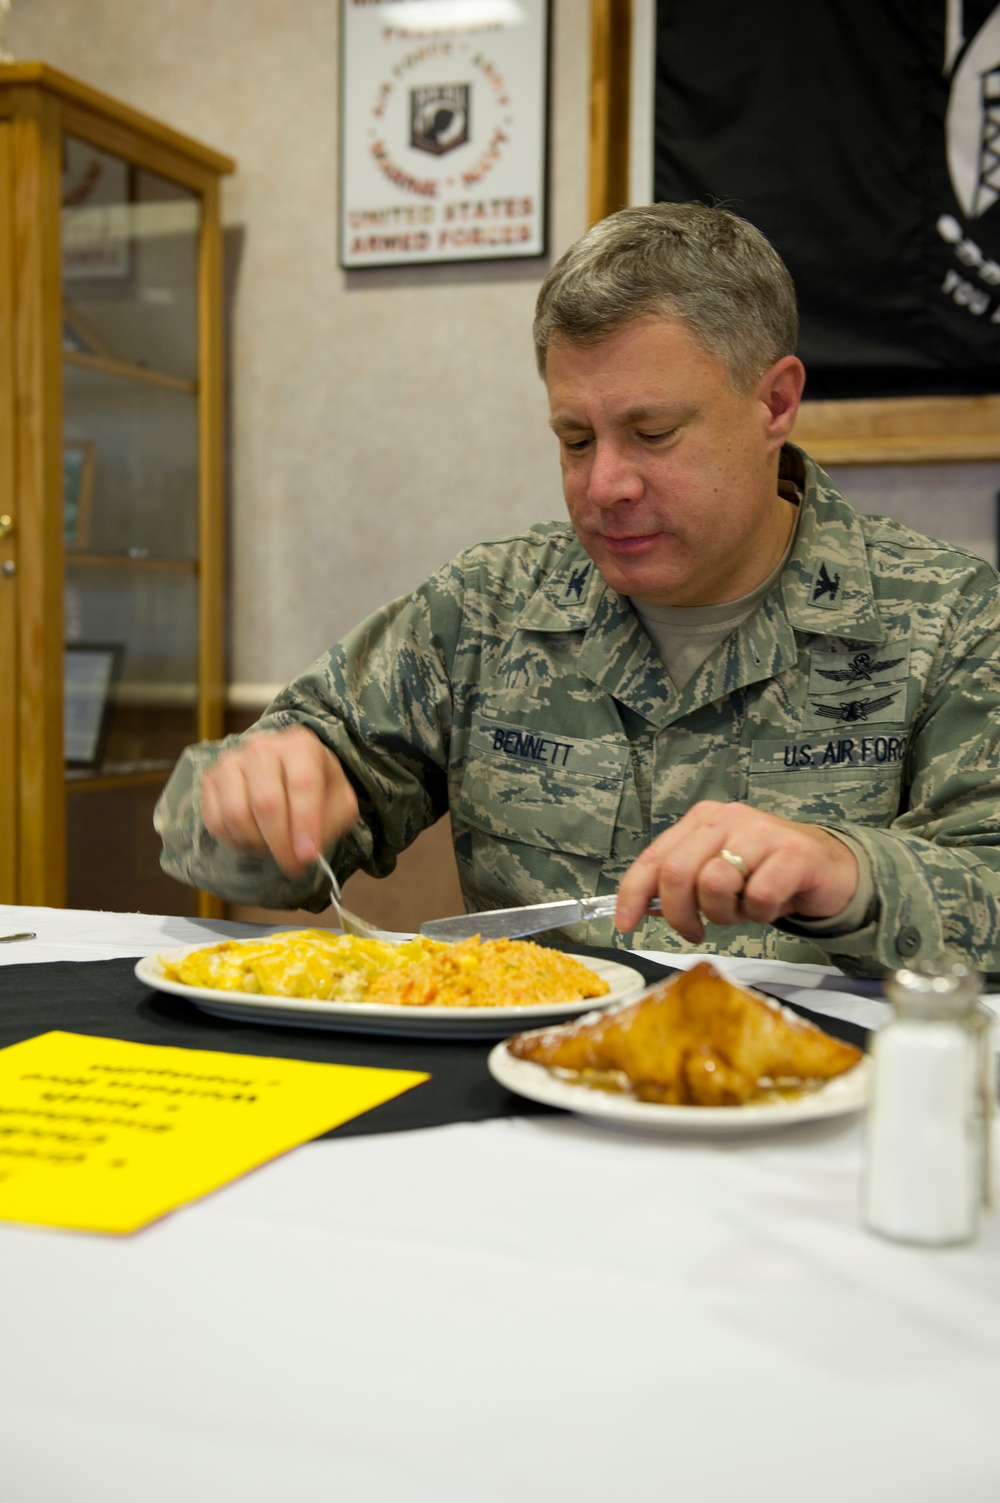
(533, 1309)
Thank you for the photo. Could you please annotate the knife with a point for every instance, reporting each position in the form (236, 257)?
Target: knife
(511, 923)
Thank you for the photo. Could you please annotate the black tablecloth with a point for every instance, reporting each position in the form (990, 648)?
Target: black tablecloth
(103, 998)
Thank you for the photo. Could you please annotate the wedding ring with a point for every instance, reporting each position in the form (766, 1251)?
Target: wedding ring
(736, 861)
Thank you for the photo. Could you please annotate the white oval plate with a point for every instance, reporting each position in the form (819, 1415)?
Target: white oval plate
(381, 1017)
(845, 1093)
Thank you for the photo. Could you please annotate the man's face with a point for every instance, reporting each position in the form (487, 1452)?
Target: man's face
(670, 475)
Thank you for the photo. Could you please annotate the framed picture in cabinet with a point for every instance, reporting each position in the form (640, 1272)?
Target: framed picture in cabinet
(78, 492)
(92, 670)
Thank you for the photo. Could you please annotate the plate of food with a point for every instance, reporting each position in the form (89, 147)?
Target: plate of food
(693, 1054)
(423, 988)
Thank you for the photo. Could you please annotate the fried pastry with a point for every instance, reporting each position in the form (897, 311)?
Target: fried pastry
(697, 1040)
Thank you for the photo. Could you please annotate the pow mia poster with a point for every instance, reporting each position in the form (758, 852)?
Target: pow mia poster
(862, 137)
(443, 119)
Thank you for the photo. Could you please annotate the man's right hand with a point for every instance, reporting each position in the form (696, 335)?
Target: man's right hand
(280, 791)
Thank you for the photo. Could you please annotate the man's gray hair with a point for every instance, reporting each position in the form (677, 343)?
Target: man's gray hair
(706, 266)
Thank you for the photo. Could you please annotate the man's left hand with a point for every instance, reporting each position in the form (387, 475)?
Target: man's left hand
(791, 868)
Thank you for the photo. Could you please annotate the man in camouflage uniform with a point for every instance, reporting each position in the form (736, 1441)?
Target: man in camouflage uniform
(719, 686)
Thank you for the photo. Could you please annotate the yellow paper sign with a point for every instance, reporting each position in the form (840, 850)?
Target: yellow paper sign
(105, 1136)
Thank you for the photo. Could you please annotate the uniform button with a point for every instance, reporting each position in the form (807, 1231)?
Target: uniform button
(908, 940)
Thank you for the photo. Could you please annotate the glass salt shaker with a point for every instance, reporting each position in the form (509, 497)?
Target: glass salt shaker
(927, 1170)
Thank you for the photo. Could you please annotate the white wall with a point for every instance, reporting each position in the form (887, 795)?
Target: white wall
(381, 420)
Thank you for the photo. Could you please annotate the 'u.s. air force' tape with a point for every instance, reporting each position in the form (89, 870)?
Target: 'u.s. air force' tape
(874, 749)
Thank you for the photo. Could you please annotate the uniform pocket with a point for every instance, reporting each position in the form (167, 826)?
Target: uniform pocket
(871, 799)
(850, 777)
(552, 792)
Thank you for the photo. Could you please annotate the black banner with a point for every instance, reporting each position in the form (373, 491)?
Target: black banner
(862, 137)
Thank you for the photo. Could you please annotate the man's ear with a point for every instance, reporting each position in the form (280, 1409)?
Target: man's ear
(780, 390)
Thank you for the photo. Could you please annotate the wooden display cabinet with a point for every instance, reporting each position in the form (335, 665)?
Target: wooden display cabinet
(111, 532)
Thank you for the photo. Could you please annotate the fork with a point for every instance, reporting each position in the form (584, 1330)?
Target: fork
(350, 922)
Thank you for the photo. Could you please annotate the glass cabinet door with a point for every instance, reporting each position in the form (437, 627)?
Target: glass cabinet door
(130, 244)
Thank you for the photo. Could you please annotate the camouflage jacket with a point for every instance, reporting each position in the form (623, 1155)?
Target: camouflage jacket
(520, 692)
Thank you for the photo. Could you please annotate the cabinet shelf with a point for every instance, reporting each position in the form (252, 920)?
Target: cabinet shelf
(99, 782)
(83, 560)
(125, 370)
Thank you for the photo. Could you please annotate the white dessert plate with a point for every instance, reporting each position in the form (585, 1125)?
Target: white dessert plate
(845, 1093)
(382, 1018)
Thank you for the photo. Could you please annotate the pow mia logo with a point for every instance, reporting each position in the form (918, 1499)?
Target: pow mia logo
(577, 580)
(439, 117)
(852, 711)
(825, 586)
(861, 669)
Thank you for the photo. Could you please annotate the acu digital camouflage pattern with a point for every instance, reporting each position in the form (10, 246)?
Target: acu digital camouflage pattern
(520, 692)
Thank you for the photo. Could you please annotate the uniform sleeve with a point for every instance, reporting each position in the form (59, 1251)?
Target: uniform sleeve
(936, 868)
(382, 702)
